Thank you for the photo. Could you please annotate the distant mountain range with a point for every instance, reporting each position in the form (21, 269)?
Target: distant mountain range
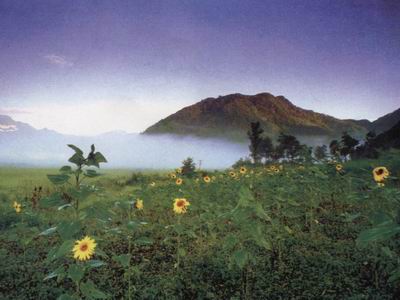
(208, 130)
(229, 116)
(23, 145)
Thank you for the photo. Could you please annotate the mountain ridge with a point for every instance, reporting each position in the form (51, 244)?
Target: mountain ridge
(229, 117)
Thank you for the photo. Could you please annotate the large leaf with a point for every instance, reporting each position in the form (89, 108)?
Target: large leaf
(51, 201)
(66, 170)
(91, 173)
(65, 248)
(240, 257)
(76, 149)
(123, 259)
(58, 179)
(90, 291)
(49, 231)
(379, 233)
(76, 272)
(68, 229)
(77, 159)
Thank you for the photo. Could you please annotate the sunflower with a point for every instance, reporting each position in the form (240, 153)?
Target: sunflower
(180, 205)
(139, 204)
(232, 174)
(339, 167)
(172, 175)
(15, 204)
(179, 181)
(243, 170)
(207, 179)
(179, 170)
(84, 249)
(380, 174)
(153, 184)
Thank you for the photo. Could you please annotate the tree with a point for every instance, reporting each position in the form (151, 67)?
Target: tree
(266, 148)
(305, 154)
(254, 135)
(334, 148)
(188, 167)
(289, 146)
(348, 144)
(320, 152)
(368, 149)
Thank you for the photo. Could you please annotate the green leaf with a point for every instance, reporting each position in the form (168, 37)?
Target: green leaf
(58, 179)
(49, 231)
(230, 242)
(379, 233)
(91, 173)
(76, 272)
(90, 291)
(144, 241)
(59, 271)
(66, 297)
(77, 159)
(64, 206)
(240, 257)
(51, 201)
(66, 169)
(123, 259)
(76, 149)
(99, 158)
(65, 248)
(96, 263)
(132, 225)
(68, 229)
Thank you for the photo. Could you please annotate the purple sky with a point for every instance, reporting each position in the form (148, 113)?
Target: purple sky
(93, 66)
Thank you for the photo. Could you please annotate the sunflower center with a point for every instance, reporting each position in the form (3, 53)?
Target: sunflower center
(379, 172)
(180, 203)
(83, 247)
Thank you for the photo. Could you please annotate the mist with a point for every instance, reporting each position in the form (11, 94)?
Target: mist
(122, 150)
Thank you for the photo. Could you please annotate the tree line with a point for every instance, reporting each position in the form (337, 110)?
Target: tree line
(288, 148)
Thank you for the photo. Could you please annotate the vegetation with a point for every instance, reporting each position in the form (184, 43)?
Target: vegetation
(284, 230)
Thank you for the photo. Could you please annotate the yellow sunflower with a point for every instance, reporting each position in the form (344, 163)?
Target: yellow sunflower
(179, 181)
(339, 167)
(180, 205)
(172, 175)
(380, 174)
(84, 249)
(232, 174)
(207, 179)
(243, 170)
(139, 204)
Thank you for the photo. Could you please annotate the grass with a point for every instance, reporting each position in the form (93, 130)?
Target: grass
(301, 232)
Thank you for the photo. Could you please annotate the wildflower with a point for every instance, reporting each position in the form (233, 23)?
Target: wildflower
(380, 174)
(179, 170)
(84, 249)
(232, 174)
(17, 206)
(180, 205)
(179, 181)
(139, 204)
(243, 170)
(173, 176)
(339, 167)
(153, 184)
(206, 179)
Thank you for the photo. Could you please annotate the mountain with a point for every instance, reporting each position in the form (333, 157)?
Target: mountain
(229, 117)
(389, 138)
(386, 122)
(23, 145)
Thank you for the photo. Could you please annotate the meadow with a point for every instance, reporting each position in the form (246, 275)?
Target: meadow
(278, 231)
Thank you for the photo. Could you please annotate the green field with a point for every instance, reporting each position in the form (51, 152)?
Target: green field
(286, 231)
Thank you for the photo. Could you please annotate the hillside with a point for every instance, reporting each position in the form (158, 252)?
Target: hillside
(229, 117)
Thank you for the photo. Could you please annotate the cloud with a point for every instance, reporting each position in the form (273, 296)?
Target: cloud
(13, 111)
(58, 60)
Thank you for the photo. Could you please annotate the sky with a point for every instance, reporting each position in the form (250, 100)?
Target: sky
(87, 67)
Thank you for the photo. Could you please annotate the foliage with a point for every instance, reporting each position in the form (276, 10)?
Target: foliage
(254, 135)
(287, 231)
